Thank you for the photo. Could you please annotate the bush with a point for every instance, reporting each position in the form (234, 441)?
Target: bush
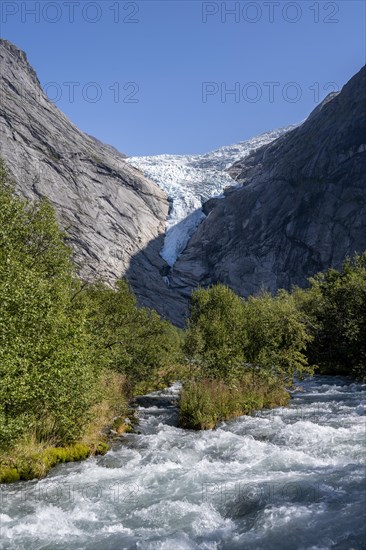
(276, 336)
(335, 309)
(69, 351)
(243, 354)
(133, 341)
(47, 375)
(8, 475)
(228, 336)
(204, 403)
(215, 339)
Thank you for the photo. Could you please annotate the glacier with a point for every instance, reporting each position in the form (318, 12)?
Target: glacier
(191, 180)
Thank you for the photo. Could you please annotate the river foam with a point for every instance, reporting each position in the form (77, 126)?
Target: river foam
(289, 478)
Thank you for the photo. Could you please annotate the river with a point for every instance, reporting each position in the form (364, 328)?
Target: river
(287, 479)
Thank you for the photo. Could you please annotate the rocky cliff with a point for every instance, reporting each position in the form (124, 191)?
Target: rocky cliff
(190, 181)
(301, 207)
(111, 211)
(298, 205)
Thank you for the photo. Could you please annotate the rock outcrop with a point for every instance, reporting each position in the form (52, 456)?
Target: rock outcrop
(301, 207)
(111, 211)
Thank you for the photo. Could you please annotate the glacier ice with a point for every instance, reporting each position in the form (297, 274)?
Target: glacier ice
(190, 180)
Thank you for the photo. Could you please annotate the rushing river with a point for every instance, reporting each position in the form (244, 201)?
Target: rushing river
(287, 479)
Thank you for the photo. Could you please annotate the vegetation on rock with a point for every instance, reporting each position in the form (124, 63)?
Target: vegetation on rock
(72, 353)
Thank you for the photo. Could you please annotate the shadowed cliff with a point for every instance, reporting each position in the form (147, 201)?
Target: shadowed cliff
(301, 208)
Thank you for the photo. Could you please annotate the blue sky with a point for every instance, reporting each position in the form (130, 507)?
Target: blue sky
(155, 77)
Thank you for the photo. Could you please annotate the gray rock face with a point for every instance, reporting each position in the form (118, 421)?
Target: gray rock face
(301, 209)
(111, 211)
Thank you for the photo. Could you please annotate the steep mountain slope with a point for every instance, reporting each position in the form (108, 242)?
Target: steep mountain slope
(190, 181)
(301, 207)
(110, 210)
(296, 205)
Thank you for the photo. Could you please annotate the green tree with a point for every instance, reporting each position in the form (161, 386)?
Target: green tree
(227, 336)
(276, 336)
(132, 340)
(215, 338)
(335, 306)
(47, 376)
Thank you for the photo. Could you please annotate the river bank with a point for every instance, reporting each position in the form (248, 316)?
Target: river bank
(282, 479)
(33, 457)
(202, 405)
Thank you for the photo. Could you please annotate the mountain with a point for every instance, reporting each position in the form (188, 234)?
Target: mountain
(110, 209)
(293, 202)
(300, 206)
(190, 181)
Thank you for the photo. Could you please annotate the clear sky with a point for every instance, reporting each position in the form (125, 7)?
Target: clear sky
(153, 77)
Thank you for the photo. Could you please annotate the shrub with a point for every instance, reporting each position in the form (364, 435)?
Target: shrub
(133, 341)
(276, 336)
(70, 352)
(8, 475)
(228, 336)
(216, 339)
(204, 403)
(335, 309)
(46, 369)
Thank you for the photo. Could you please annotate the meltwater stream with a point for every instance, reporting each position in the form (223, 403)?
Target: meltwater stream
(290, 478)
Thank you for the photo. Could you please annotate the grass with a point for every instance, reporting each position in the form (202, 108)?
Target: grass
(33, 457)
(204, 403)
(30, 459)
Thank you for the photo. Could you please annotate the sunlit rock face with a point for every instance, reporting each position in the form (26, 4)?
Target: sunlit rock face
(293, 201)
(110, 210)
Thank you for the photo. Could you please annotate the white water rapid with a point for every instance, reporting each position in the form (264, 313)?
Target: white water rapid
(287, 479)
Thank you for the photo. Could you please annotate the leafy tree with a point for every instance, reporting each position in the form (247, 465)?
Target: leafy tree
(335, 306)
(246, 352)
(59, 337)
(133, 340)
(47, 376)
(228, 336)
(276, 336)
(215, 339)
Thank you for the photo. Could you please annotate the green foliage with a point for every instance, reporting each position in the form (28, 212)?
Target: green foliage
(215, 339)
(102, 448)
(228, 336)
(71, 352)
(64, 344)
(276, 336)
(204, 403)
(47, 375)
(132, 340)
(324, 325)
(37, 463)
(8, 475)
(243, 354)
(335, 309)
